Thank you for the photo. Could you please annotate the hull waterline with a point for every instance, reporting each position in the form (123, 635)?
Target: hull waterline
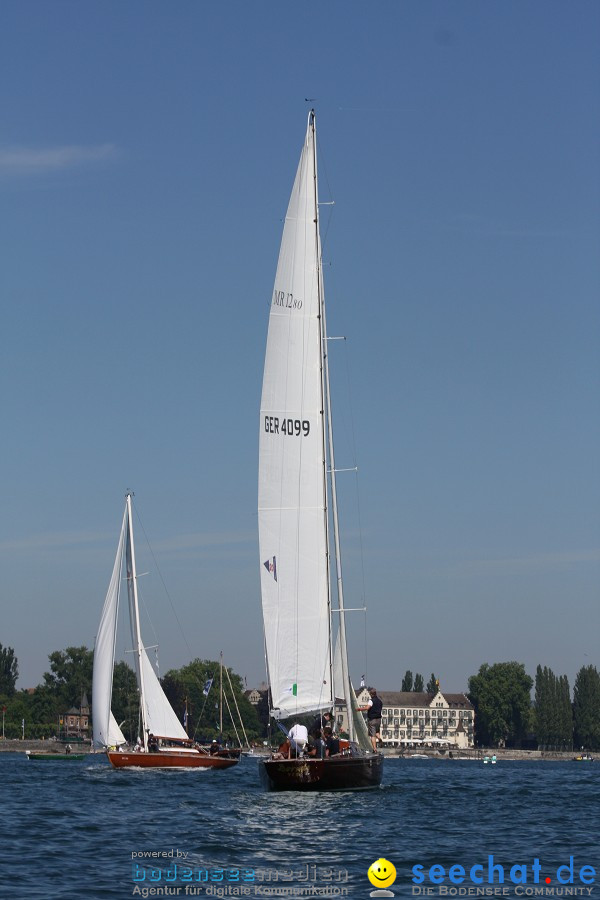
(165, 760)
(60, 757)
(344, 773)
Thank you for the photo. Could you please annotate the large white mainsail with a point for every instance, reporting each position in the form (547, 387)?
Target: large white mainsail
(106, 731)
(292, 513)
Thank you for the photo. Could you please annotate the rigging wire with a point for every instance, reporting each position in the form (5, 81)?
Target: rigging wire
(323, 168)
(166, 590)
(358, 509)
(189, 649)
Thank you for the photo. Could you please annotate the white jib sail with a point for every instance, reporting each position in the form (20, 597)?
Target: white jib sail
(360, 726)
(160, 716)
(106, 731)
(291, 484)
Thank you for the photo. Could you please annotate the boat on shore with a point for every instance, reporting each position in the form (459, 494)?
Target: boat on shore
(298, 516)
(163, 742)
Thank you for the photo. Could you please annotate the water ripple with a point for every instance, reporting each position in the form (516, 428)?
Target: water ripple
(70, 831)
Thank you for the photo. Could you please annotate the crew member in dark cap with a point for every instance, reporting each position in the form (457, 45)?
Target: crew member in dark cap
(332, 743)
(374, 717)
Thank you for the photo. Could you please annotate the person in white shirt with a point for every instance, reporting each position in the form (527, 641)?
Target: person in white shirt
(298, 735)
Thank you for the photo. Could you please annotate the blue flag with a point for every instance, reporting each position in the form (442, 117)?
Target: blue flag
(207, 687)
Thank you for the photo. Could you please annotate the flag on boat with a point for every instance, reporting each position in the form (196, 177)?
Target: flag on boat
(207, 687)
(271, 567)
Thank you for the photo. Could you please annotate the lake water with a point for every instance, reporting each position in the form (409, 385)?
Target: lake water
(70, 830)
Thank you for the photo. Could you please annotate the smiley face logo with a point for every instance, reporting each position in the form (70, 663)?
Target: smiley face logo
(381, 873)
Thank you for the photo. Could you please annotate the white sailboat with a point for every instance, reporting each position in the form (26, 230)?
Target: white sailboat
(163, 741)
(296, 489)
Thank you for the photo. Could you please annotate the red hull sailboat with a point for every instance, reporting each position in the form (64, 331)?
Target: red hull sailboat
(163, 741)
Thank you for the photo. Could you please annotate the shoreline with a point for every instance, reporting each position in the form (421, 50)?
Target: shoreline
(477, 754)
(16, 745)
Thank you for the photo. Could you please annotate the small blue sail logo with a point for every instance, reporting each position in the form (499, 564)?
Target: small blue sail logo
(271, 566)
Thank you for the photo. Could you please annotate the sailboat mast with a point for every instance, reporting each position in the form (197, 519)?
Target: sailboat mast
(221, 695)
(138, 647)
(332, 479)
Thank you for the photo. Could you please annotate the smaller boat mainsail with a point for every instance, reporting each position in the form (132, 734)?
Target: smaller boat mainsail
(106, 731)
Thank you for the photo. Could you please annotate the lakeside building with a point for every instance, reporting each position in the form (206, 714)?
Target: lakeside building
(259, 698)
(412, 717)
(409, 718)
(416, 718)
(75, 722)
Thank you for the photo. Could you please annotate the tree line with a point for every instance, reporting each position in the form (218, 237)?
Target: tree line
(506, 715)
(417, 685)
(195, 701)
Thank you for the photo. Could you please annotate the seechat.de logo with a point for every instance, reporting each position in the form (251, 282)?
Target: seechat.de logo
(496, 873)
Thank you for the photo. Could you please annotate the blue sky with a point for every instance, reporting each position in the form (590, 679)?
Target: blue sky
(147, 152)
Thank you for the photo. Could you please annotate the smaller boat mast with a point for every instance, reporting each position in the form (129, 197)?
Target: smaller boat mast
(221, 696)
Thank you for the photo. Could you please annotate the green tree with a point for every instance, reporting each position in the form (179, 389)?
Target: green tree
(407, 681)
(43, 708)
(9, 671)
(186, 686)
(419, 685)
(125, 702)
(566, 714)
(553, 714)
(586, 708)
(70, 675)
(501, 697)
(542, 706)
(433, 685)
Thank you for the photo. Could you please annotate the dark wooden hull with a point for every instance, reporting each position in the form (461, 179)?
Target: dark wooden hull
(336, 773)
(165, 760)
